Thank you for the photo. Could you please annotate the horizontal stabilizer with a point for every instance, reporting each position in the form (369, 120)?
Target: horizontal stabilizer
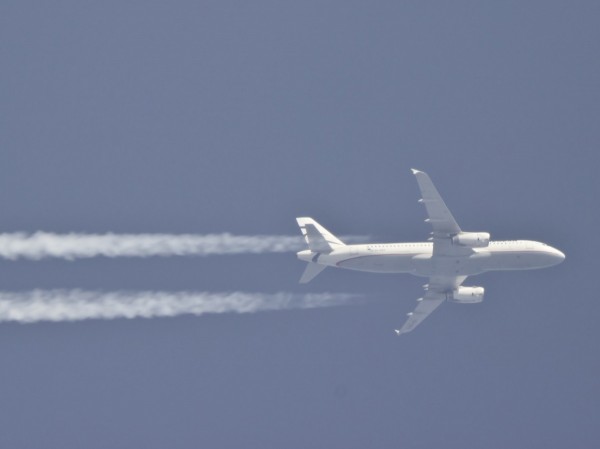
(311, 271)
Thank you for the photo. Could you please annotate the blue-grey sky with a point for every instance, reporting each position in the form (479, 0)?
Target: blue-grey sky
(236, 116)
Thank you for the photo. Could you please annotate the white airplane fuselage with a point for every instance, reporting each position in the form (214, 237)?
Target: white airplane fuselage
(449, 257)
(417, 258)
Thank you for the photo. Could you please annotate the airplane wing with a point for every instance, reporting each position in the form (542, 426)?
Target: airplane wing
(443, 223)
(435, 294)
(441, 219)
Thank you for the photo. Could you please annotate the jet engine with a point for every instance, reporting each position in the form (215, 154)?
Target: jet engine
(467, 295)
(472, 239)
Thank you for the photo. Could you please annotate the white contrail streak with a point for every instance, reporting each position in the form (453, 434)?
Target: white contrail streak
(73, 305)
(40, 245)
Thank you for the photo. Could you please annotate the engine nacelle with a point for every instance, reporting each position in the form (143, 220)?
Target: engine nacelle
(472, 239)
(467, 295)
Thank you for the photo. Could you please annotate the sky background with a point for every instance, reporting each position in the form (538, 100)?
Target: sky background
(237, 116)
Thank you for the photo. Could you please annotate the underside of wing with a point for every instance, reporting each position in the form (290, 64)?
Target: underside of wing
(435, 294)
(426, 305)
(440, 218)
(444, 284)
(443, 224)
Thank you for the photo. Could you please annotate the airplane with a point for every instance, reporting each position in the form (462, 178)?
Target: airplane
(447, 259)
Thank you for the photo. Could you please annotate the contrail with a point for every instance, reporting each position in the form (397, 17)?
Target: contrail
(40, 245)
(73, 305)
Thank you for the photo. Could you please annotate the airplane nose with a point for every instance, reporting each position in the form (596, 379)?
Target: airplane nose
(559, 255)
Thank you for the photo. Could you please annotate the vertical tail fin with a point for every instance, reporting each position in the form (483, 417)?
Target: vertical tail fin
(319, 239)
